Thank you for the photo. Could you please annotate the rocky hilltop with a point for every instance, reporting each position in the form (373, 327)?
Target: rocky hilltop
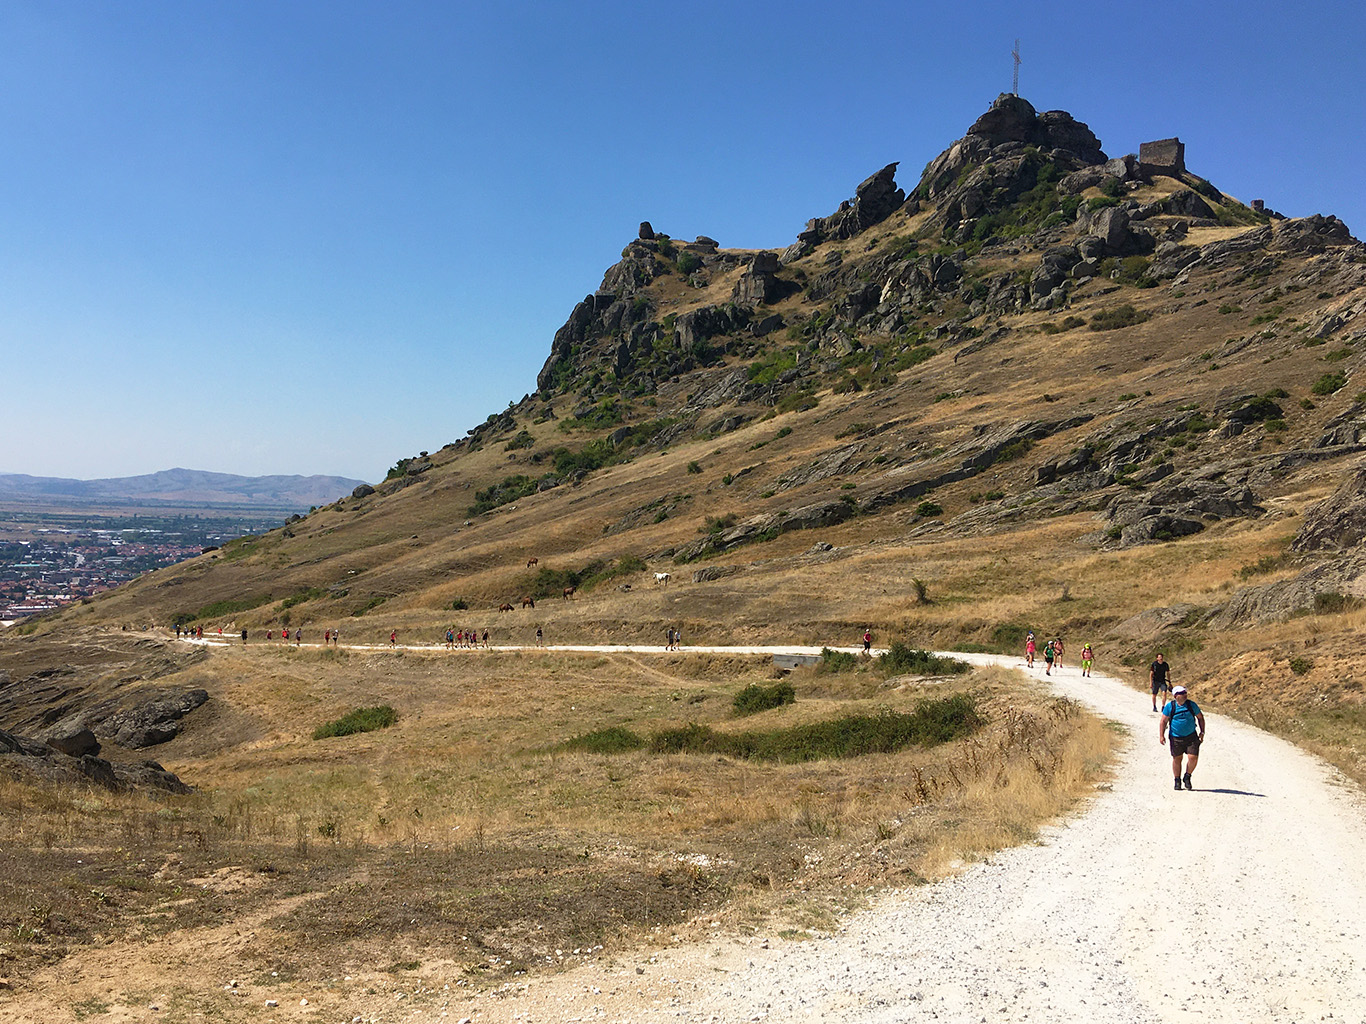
(1105, 364)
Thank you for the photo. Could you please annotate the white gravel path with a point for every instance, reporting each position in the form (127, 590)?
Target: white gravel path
(1243, 901)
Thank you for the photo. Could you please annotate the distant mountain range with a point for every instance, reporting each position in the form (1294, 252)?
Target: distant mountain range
(181, 487)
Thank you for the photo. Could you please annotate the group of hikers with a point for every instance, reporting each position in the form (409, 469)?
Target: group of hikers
(1181, 727)
(1053, 651)
(461, 638)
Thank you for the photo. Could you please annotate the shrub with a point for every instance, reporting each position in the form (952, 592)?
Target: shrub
(459, 604)
(755, 698)
(900, 659)
(1118, 317)
(929, 508)
(1009, 637)
(615, 739)
(688, 262)
(1329, 383)
(1300, 665)
(523, 439)
(932, 722)
(361, 720)
(693, 467)
(1330, 602)
(836, 661)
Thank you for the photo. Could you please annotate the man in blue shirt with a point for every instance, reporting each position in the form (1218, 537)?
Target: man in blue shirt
(1187, 725)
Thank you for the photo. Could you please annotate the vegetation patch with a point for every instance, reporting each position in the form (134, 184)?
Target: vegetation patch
(900, 659)
(836, 661)
(755, 698)
(381, 716)
(1120, 316)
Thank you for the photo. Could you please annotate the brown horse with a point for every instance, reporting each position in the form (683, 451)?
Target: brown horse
(505, 607)
(568, 593)
(528, 602)
(531, 562)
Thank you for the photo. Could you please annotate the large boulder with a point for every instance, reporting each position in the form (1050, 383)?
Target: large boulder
(153, 721)
(876, 199)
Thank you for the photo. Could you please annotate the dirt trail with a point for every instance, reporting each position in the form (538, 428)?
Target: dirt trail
(1242, 901)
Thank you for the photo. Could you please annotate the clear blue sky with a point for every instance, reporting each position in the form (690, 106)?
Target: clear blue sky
(315, 237)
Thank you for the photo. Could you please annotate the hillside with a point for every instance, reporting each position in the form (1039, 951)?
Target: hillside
(1039, 388)
(179, 487)
(1043, 369)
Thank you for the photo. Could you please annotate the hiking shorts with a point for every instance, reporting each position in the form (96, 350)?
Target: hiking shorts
(1185, 745)
(1086, 663)
(1159, 687)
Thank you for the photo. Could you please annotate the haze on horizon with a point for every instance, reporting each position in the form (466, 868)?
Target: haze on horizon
(319, 237)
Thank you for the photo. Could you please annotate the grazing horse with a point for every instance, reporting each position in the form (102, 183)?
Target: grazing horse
(505, 607)
(528, 602)
(568, 593)
(663, 577)
(530, 562)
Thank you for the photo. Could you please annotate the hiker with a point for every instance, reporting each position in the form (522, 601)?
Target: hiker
(1158, 678)
(327, 637)
(538, 636)
(1029, 649)
(177, 630)
(486, 639)
(1087, 656)
(1048, 655)
(1187, 733)
(450, 639)
(867, 641)
(336, 635)
(244, 638)
(1057, 653)
(298, 637)
(393, 637)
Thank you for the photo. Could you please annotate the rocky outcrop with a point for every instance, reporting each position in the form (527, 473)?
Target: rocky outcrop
(876, 199)
(153, 721)
(33, 760)
(759, 283)
(769, 524)
(1179, 508)
(1330, 581)
(1339, 522)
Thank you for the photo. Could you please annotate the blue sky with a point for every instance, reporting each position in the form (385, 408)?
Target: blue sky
(315, 237)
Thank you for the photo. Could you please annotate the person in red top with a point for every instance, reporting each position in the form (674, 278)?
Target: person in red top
(393, 637)
(867, 641)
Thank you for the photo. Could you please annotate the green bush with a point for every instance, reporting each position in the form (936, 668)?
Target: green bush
(836, 661)
(1329, 383)
(688, 262)
(900, 659)
(459, 604)
(932, 722)
(361, 720)
(929, 508)
(523, 439)
(755, 698)
(1300, 666)
(613, 740)
(510, 489)
(1331, 602)
(1120, 316)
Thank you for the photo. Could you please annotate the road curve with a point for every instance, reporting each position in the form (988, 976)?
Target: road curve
(1243, 901)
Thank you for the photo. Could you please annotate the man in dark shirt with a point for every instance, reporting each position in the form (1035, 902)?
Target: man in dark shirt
(1158, 678)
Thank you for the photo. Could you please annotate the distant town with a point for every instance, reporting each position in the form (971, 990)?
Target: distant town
(49, 558)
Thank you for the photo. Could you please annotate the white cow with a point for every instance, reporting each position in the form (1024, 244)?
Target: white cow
(662, 577)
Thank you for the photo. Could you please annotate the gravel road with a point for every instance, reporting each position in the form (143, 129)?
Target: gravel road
(1242, 901)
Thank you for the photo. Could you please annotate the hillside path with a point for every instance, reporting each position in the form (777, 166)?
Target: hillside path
(1243, 901)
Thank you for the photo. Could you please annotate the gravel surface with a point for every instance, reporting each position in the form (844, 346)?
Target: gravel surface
(1242, 901)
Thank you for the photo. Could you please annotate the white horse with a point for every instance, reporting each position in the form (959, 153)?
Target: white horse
(662, 577)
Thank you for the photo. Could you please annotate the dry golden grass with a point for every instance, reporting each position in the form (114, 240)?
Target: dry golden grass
(468, 818)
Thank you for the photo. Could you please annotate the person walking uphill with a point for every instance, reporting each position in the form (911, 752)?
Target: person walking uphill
(1187, 733)
(1158, 677)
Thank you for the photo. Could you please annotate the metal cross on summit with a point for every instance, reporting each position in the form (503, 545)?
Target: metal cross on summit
(1015, 83)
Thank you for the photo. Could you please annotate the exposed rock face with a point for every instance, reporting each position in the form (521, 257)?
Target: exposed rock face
(1179, 509)
(363, 491)
(759, 282)
(41, 761)
(154, 721)
(71, 739)
(1164, 156)
(1275, 602)
(876, 199)
(1339, 522)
